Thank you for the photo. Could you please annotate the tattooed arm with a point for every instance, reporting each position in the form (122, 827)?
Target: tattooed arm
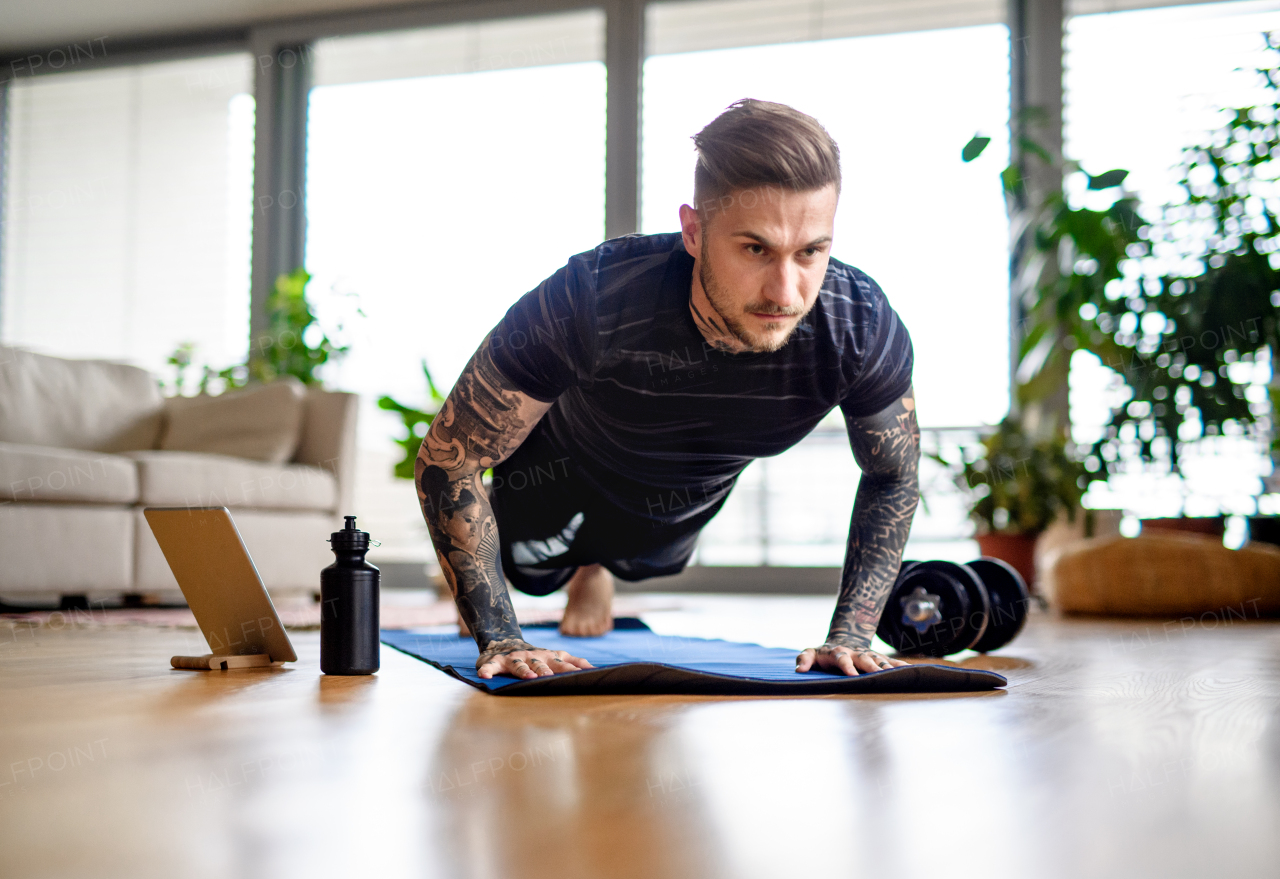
(483, 420)
(887, 448)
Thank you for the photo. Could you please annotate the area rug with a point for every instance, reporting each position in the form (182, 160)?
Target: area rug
(300, 614)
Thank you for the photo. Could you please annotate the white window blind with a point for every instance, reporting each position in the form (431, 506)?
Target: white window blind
(505, 44)
(698, 25)
(128, 203)
(1092, 7)
(728, 24)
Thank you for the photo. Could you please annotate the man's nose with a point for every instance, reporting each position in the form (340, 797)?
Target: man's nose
(782, 288)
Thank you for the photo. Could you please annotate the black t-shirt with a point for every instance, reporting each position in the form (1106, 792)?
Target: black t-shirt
(649, 414)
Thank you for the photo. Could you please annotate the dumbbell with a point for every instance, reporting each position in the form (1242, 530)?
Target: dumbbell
(940, 608)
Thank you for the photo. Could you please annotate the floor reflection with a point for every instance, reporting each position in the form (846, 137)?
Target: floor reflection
(336, 691)
(575, 781)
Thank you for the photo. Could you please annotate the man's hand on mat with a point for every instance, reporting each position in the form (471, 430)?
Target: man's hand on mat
(520, 659)
(849, 659)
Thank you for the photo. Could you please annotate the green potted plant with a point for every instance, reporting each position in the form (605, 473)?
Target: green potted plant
(1018, 486)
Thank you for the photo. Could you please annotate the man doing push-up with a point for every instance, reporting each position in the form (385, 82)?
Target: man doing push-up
(619, 400)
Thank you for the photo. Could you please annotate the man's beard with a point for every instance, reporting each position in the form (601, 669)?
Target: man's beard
(721, 303)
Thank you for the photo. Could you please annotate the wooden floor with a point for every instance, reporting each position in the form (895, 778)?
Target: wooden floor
(1119, 749)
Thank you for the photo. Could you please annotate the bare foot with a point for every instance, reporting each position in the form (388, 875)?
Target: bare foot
(589, 611)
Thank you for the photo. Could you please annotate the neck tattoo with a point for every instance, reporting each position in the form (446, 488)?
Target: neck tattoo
(714, 329)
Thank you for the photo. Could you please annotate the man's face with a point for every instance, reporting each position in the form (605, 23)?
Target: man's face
(761, 256)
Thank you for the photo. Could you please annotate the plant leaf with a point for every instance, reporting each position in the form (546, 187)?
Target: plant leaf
(974, 148)
(1107, 179)
(1011, 177)
(436, 396)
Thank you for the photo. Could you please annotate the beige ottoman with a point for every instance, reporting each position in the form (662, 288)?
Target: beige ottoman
(1163, 574)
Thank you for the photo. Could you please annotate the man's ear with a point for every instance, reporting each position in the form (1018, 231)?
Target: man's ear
(691, 230)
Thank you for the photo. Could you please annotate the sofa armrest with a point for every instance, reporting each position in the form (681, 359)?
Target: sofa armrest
(329, 439)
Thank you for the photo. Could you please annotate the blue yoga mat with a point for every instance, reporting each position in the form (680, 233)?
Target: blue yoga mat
(634, 659)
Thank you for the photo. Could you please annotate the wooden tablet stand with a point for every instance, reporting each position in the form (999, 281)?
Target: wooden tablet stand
(224, 663)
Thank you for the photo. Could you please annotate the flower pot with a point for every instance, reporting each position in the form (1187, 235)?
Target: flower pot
(1214, 526)
(1019, 550)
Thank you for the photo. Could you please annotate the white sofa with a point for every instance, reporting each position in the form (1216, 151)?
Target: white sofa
(85, 445)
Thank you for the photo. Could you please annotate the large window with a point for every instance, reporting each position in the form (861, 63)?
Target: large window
(128, 204)
(929, 228)
(449, 171)
(1141, 85)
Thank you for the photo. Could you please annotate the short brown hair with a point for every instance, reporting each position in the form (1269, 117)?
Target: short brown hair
(759, 143)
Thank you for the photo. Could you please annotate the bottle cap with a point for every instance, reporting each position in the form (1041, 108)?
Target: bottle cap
(350, 537)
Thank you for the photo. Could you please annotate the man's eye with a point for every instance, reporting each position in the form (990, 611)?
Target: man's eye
(755, 249)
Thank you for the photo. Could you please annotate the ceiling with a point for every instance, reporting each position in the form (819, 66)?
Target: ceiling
(34, 24)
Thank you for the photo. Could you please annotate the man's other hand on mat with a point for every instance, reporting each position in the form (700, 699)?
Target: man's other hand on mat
(838, 658)
(521, 659)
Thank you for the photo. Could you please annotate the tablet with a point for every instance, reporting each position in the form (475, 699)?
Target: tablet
(221, 585)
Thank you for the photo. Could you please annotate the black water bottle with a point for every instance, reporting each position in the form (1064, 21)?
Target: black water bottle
(349, 606)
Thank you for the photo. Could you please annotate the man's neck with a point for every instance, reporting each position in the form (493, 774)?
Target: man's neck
(709, 321)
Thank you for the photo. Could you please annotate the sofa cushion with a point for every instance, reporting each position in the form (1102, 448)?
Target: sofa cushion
(61, 548)
(77, 404)
(188, 479)
(329, 437)
(262, 423)
(41, 473)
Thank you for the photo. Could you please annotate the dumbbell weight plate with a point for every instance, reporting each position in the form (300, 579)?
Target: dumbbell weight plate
(910, 616)
(1009, 598)
(969, 628)
(935, 608)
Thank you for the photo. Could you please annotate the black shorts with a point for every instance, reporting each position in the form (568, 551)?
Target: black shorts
(550, 522)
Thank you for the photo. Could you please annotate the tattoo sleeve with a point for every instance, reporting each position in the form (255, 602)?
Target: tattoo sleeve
(483, 420)
(887, 448)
